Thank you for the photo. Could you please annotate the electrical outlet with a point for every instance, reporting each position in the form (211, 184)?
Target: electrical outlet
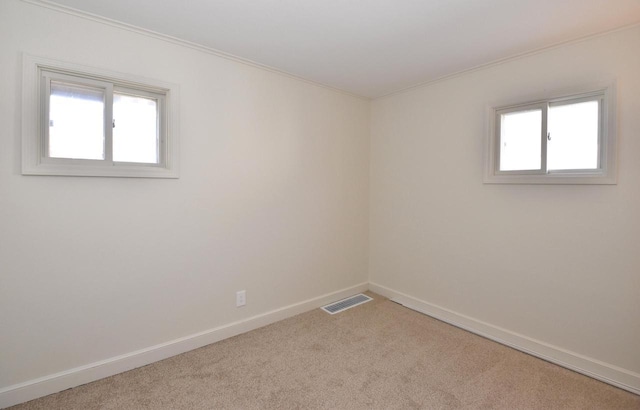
(241, 298)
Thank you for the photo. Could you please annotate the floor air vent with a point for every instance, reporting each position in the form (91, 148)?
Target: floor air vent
(345, 304)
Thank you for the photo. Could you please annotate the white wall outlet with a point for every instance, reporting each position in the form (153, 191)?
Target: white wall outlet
(241, 298)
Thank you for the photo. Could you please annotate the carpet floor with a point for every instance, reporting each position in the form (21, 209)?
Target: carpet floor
(378, 355)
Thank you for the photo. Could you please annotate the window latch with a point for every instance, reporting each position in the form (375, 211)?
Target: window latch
(548, 135)
(113, 123)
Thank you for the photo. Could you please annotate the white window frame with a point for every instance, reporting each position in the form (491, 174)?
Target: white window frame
(606, 173)
(37, 74)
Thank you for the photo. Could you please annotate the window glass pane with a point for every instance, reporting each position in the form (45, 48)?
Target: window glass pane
(76, 121)
(520, 146)
(573, 134)
(135, 131)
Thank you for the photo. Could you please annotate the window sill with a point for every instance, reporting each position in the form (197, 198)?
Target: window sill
(100, 170)
(553, 179)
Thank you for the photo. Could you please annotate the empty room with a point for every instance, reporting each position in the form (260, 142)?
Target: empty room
(279, 204)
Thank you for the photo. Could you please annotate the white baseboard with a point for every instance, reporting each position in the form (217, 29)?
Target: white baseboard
(608, 373)
(43, 386)
(54, 383)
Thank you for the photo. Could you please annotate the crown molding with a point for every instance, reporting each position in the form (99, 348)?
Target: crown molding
(509, 59)
(51, 5)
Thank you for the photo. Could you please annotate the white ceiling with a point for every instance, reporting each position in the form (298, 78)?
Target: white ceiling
(370, 47)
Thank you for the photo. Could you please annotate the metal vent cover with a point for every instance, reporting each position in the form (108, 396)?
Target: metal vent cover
(345, 304)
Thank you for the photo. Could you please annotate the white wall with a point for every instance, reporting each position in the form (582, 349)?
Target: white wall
(554, 265)
(272, 198)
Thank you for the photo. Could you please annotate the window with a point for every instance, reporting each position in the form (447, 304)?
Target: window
(88, 122)
(563, 140)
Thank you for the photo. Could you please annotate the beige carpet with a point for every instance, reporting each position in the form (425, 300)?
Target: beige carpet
(379, 355)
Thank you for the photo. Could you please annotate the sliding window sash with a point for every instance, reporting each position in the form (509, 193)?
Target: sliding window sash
(542, 107)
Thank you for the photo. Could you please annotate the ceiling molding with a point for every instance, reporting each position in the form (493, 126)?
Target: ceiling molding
(52, 5)
(508, 59)
(48, 4)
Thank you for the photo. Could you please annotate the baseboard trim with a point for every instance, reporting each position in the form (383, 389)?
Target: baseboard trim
(32, 389)
(605, 372)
